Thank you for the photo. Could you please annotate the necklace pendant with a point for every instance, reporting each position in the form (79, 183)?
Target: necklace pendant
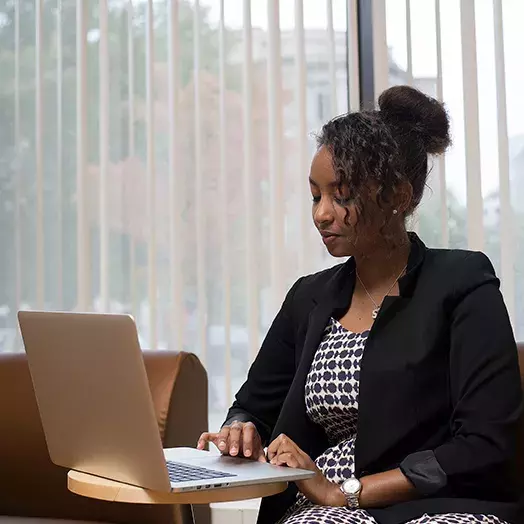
(374, 314)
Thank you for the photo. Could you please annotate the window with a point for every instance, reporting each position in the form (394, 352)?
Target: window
(154, 159)
(476, 193)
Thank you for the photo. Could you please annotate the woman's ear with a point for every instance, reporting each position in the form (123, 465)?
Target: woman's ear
(403, 199)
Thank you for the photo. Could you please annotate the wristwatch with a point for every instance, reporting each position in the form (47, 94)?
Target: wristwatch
(351, 490)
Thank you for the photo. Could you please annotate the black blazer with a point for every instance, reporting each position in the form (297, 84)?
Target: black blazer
(439, 373)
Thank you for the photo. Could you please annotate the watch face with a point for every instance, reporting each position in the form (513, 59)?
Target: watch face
(351, 486)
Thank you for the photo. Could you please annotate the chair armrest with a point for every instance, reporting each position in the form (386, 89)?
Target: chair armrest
(178, 383)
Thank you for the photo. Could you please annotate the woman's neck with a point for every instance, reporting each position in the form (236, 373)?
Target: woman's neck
(384, 263)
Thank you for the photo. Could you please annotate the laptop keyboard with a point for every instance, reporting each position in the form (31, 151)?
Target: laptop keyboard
(186, 473)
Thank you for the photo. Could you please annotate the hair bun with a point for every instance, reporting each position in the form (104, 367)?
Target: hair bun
(425, 116)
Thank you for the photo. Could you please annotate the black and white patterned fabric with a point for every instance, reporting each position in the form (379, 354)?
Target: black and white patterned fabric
(332, 388)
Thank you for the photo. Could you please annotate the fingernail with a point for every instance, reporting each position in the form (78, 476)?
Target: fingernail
(247, 452)
(233, 450)
(222, 446)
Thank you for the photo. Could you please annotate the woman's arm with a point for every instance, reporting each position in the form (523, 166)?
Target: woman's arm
(382, 489)
(485, 388)
(377, 490)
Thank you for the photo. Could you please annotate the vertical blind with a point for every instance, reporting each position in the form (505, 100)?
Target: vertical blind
(154, 154)
(154, 161)
(472, 63)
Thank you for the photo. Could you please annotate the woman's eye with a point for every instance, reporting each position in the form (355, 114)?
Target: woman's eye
(342, 201)
(316, 199)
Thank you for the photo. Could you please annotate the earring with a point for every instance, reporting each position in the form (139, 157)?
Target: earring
(395, 211)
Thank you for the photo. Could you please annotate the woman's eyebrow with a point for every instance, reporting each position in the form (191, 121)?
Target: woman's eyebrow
(331, 184)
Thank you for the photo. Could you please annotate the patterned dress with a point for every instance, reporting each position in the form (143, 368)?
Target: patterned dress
(332, 389)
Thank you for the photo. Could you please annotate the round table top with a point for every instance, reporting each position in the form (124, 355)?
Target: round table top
(99, 488)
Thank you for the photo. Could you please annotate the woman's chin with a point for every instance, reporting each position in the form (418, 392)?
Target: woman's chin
(338, 251)
(337, 246)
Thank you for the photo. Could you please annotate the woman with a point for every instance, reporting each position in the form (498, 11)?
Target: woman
(394, 376)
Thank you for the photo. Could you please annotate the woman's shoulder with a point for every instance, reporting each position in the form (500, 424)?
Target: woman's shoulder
(320, 279)
(325, 275)
(311, 286)
(459, 259)
(464, 269)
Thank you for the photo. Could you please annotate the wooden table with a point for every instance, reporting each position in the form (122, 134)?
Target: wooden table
(103, 489)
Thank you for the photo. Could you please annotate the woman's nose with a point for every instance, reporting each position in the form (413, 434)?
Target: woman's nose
(323, 213)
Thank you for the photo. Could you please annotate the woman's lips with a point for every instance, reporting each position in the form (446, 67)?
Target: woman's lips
(329, 238)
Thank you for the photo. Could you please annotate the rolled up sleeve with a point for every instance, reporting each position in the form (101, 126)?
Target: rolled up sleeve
(424, 472)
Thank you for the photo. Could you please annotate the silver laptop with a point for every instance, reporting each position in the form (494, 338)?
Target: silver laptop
(97, 412)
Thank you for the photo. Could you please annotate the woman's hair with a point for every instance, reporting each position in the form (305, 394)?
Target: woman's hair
(387, 147)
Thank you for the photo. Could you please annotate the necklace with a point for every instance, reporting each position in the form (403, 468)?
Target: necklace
(374, 313)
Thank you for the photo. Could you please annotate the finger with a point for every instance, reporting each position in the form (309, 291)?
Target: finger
(262, 456)
(289, 459)
(207, 437)
(203, 440)
(273, 447)
(222, 439)
(235, 434)
(248, 438)
(285, 444)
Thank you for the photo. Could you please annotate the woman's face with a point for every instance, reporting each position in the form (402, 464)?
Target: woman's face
(336, 216)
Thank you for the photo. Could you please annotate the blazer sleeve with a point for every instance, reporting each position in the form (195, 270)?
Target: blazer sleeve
(484, 384)
(261, 397)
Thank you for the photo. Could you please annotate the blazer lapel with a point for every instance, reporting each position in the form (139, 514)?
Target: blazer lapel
(390, 307)
(293, 420)
(334, 299)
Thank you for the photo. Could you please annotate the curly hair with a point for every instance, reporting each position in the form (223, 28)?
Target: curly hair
(387, 147)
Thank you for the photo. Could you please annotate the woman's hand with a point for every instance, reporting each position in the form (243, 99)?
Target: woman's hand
(240, 439)
(318, 489)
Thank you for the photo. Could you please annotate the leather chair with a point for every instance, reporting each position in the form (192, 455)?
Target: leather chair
(31, 486)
